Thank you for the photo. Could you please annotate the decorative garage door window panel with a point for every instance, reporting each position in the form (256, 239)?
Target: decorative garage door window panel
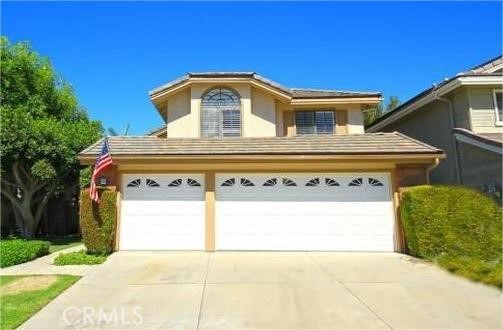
(374, 187)
(162, 212)
(323, 211)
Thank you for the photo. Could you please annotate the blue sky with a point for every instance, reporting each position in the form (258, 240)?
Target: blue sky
(113, 53)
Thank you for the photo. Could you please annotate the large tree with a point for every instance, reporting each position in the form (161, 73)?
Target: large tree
(43, 127)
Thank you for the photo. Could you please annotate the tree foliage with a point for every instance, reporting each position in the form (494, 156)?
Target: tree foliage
(43, 127)
(372, 114)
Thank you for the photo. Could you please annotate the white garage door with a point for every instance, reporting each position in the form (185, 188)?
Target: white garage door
(162, 212)
(307, 212)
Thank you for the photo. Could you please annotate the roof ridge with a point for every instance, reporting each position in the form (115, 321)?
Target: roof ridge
(330, 90)
(482, 65)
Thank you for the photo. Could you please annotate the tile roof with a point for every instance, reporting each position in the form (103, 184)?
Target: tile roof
(360, 144)
(293, 92)
(158, 131)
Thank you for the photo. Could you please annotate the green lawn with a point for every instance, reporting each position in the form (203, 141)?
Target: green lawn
(60, 243)
(18, 307)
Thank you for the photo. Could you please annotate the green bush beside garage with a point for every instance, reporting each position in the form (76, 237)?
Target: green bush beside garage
(457, 227)
(98, 221)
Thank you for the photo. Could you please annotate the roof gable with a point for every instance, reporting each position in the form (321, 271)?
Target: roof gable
(289, 93)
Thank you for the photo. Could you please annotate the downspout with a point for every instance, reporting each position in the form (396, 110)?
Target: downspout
(452, 137)
(431, 167)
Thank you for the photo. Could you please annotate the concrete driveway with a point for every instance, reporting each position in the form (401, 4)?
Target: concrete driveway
(244, 290)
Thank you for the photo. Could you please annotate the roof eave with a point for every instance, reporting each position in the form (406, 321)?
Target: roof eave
(447, 87)
(336, 100)
(88, 159)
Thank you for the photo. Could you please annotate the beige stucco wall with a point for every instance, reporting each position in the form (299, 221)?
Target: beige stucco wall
(482, 110)
(355, 120)
(261, 121)
(182, 122)
(261, 112)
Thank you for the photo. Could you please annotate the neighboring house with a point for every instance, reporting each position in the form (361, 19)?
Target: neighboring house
(244, 163)
(463, 116)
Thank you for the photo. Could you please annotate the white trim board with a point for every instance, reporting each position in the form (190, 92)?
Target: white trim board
(476, 143)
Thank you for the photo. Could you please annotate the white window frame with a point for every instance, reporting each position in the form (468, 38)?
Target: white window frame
(499, 121)
(221, 129)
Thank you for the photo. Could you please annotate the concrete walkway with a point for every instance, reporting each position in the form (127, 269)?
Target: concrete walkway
(44, 265)
(245, 290)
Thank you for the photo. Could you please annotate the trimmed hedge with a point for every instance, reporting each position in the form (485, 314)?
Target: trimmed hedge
(451, 220)
(488, 272)
(98, 221)
(79, 258)
(17, 251)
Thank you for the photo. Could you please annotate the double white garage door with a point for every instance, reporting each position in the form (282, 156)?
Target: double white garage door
(273, 211)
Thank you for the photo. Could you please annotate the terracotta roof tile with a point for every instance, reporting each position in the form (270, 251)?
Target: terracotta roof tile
(364, 144)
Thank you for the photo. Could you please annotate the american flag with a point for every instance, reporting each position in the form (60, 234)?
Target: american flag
(102, 162)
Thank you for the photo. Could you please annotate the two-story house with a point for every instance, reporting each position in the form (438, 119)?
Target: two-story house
(463, 115)
(244, 163)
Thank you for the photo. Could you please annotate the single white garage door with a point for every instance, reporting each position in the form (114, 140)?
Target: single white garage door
(162, 212)
(305, 212)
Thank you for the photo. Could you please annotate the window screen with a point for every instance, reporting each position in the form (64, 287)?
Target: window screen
(314, 122)
(305, 123)
(231, 123)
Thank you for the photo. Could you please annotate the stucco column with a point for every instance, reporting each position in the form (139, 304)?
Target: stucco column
(209, 197)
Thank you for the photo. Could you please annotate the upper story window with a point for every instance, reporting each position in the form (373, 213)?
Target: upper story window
(498, 104)
(314, 122)
(220, 114)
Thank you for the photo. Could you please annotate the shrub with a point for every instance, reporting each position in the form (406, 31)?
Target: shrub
(474, 269)
(98, 221)
(451, 220)
(79, 258)
(17, 251)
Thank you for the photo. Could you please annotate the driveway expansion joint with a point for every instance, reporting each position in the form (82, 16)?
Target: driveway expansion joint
(204, 290)
(350, 291)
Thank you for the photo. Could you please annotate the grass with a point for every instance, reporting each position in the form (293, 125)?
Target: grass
(6, 280)
(61, 243)
(475, 269)
(79, 258)
(16, 308)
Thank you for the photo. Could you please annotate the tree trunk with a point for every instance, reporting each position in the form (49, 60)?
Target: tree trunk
(31, 202)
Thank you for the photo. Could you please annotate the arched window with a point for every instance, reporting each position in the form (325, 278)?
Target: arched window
(220, 114)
